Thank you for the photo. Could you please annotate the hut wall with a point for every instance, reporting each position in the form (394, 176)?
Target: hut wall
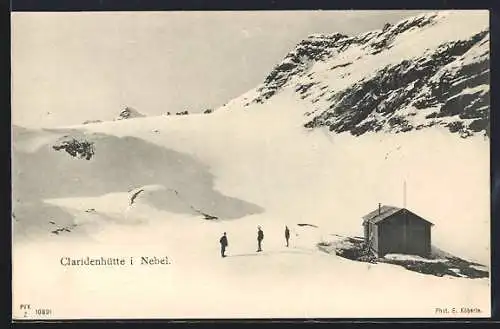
(404, 233)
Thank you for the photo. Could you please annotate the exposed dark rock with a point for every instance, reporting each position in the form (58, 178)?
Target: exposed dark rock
(63, 229)
(340, 65)
(305, 224)
(297, 62)
(354, 249)
(440, 80)
(91, 121)
(399, 86)
(76, 148)
(129, 113)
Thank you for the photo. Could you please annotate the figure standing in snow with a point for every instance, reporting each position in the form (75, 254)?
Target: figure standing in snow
(223, 244)
(287, 235)
(260, 237)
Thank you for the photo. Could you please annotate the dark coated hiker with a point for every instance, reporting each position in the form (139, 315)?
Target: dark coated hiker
(287, 235)
(223, 245)
(260, 237)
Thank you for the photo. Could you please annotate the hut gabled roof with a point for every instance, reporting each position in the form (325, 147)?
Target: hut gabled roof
(375, 217)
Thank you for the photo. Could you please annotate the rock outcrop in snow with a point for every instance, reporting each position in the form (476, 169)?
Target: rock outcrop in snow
(428, 70)
(77, 148)
(161, 197)
(86, 122)
(129, 113)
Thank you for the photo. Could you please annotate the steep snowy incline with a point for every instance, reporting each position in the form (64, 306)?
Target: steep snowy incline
(423, 71)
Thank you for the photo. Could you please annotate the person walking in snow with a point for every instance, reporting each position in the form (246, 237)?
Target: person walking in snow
(287, 235)
(223, 245)
(260, 237)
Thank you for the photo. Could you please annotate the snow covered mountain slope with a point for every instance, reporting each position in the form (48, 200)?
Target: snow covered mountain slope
(57, 166)
(252, 162)
(428, 70)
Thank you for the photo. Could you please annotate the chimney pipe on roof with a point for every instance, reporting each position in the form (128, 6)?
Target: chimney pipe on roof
(379, 209)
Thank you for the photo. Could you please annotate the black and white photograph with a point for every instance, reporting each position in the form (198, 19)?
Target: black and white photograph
(250, 164)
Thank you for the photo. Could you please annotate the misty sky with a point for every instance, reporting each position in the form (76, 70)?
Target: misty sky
(72, 67)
